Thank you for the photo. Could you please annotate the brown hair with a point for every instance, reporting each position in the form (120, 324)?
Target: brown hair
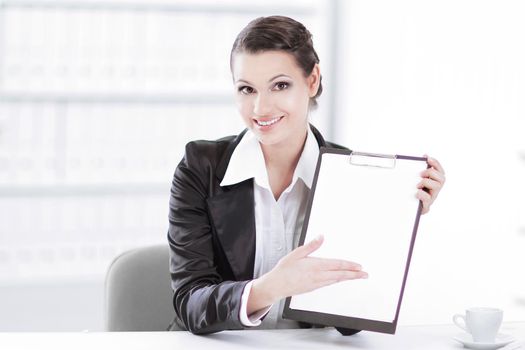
(282, 34)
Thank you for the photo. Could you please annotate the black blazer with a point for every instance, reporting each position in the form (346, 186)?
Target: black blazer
(212, 237)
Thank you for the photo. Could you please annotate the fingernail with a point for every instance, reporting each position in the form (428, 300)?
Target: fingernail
(365, 275)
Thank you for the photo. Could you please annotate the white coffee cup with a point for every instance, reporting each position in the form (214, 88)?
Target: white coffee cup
(481, 322)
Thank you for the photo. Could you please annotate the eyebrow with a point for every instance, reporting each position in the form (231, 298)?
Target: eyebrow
(279, 76)
(269, 80)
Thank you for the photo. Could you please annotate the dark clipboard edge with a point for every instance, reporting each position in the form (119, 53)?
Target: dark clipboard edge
(347, 321)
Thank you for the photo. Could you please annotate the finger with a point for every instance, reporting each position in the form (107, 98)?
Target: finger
(433, 162)
(429, 184)
(424, 196)
(433, 174)
(426, 200)
(337, 276)
(306, 249)
(336, 264)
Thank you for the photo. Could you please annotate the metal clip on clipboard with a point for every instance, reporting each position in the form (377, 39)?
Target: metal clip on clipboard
(385, 161)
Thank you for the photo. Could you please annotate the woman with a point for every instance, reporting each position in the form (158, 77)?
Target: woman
(237, 204)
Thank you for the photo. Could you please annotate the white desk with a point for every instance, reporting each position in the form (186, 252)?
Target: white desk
(415, 337)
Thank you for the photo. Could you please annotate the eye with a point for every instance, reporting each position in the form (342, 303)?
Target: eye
(281, 85)
(245, 90)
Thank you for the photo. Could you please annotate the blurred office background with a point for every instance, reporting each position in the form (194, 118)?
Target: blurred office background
(98, 98)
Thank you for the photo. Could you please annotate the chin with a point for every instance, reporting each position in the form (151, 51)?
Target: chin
(268, 139)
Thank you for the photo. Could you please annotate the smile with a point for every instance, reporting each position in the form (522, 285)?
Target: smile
(268, 122)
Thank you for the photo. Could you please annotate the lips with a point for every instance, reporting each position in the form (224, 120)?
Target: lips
(267, 122)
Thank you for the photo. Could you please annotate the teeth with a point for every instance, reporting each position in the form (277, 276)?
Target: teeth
(269, 122)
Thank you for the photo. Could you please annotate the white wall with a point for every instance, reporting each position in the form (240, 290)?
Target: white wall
(447, 78)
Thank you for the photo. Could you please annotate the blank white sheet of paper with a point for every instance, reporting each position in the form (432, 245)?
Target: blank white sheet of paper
(367, 215)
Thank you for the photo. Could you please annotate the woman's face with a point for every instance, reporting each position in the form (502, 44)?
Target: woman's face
(273, 95)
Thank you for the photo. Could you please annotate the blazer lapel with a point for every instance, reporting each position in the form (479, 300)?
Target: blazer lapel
(233, 216)
(318, 137)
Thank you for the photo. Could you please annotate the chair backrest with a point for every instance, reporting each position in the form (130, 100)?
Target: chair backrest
(138, 291)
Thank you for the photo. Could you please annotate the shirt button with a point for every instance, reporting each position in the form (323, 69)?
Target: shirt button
(279, 248)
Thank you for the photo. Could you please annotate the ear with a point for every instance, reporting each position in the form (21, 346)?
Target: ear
(314, 80)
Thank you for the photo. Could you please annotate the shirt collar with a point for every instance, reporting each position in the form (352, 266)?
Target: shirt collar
(247, 161)
(305, 169)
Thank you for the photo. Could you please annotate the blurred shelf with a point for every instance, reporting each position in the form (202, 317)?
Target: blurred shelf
(191, 99)
(85, 190)
(167, 6)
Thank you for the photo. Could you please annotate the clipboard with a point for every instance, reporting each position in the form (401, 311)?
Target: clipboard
(365, 206)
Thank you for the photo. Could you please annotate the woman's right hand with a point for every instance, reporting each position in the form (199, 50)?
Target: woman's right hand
(298, 273)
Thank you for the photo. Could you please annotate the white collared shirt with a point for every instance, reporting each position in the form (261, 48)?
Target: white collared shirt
(278, 223)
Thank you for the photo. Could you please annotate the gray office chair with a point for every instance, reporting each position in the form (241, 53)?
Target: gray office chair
(138, 291)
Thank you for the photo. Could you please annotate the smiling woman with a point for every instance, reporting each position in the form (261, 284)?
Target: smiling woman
(238, 204)
(274, 106)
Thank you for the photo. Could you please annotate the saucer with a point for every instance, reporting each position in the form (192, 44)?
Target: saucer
(501, 340)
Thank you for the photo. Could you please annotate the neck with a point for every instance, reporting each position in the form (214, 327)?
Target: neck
(281, 160)
(284, 155)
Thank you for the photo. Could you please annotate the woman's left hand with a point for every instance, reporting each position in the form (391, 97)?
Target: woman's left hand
(432, 181)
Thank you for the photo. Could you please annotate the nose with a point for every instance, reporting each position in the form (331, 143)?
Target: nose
(262, 105)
